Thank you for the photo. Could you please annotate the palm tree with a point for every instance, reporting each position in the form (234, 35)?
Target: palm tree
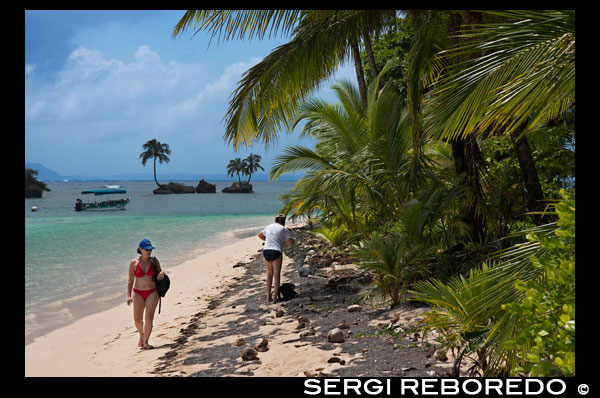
(357, 174)
(252, 165)
(236, 166)
(518, 73)
(154, 149)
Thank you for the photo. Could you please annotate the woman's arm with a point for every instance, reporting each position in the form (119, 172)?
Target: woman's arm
(161, 273)
(130, 280)
(261, 236)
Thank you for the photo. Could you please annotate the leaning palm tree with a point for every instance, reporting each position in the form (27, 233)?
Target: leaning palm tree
(154, 149)
(252, 165)
(235, 167)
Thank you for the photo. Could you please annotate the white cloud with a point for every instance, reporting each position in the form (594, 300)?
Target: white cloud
(220, 88)
(99, 104)
(92, 87)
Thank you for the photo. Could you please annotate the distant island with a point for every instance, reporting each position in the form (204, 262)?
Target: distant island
(239, 187)
(48, 175)
(247, 167)
(33, 187)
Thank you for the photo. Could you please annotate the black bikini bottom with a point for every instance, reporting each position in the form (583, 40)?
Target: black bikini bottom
(271, 255)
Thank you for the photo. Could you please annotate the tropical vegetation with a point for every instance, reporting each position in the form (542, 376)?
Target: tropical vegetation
(34, 187)
(153, 149)
(448, 168)
(247, 166)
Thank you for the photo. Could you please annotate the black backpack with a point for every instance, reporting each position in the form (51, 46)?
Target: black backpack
(287, 292)
(162, 286)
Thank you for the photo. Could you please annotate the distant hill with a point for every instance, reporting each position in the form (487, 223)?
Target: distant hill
(45, 174)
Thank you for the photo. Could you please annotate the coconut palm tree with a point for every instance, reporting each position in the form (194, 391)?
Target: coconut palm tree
(236, 166)
(357, 173)
(154, 149)
(518, 73)
(252, 165)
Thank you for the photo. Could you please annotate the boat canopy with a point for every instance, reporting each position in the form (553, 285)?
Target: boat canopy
(104, 191)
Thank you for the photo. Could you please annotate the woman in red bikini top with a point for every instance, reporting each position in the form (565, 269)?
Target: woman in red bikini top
(145, 297)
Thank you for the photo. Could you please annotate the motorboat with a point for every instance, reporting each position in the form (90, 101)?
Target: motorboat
(112, 203)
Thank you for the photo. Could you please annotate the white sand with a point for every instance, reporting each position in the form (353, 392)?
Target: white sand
(105, 344)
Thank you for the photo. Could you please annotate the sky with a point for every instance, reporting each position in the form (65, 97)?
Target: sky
(99, 84)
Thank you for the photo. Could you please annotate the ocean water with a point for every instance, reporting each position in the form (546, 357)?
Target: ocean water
(76, 262)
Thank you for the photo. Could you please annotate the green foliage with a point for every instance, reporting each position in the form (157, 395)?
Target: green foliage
(359, 173)
(548, 309)
(396, 261)
(515, 73)
(517, 308)
(386, 172)
(454, 312)
(334, 236)
(393, 44)
(32, 183)
(553, 148)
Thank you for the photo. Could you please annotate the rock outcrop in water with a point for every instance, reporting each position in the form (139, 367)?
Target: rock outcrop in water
(239, 187)
(206, 187)
(174, 187)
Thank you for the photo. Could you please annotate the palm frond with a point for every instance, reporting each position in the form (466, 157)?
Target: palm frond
(239, 23)
(524, 67)
(297, 158)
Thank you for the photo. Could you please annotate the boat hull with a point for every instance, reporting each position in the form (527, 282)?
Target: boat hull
(107, 205)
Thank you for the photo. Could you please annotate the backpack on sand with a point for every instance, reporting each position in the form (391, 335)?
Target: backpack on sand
(287, 292)
(162, 286)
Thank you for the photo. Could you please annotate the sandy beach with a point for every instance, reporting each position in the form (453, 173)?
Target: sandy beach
(216, 310)
(104, 344)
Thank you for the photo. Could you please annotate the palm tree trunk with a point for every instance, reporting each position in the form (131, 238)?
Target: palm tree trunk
(360, 74)
(155, 173)
(370, 56)
(535, 196)
(465, 157)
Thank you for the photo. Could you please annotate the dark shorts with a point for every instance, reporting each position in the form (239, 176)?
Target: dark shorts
(271, 255)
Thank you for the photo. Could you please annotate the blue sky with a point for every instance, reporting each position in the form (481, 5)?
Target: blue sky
(99, 84)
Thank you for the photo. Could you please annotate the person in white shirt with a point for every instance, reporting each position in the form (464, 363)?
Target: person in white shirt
(276, 236)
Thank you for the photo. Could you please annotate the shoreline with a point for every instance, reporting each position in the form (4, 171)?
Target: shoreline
(65, 310)
(104, 343)
(210, 318)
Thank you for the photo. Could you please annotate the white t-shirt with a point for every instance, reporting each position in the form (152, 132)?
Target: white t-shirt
(275, 236)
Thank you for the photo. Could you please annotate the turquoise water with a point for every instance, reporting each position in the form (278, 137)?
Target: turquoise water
(76, 262)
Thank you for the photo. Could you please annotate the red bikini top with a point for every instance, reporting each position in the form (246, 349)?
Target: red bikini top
(140, 273)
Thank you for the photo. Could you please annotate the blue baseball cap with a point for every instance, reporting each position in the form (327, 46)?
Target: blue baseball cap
(146, 245)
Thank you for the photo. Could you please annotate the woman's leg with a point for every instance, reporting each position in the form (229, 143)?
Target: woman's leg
(139, 305)
(277, 277)
(269, 265)
(151, 303)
